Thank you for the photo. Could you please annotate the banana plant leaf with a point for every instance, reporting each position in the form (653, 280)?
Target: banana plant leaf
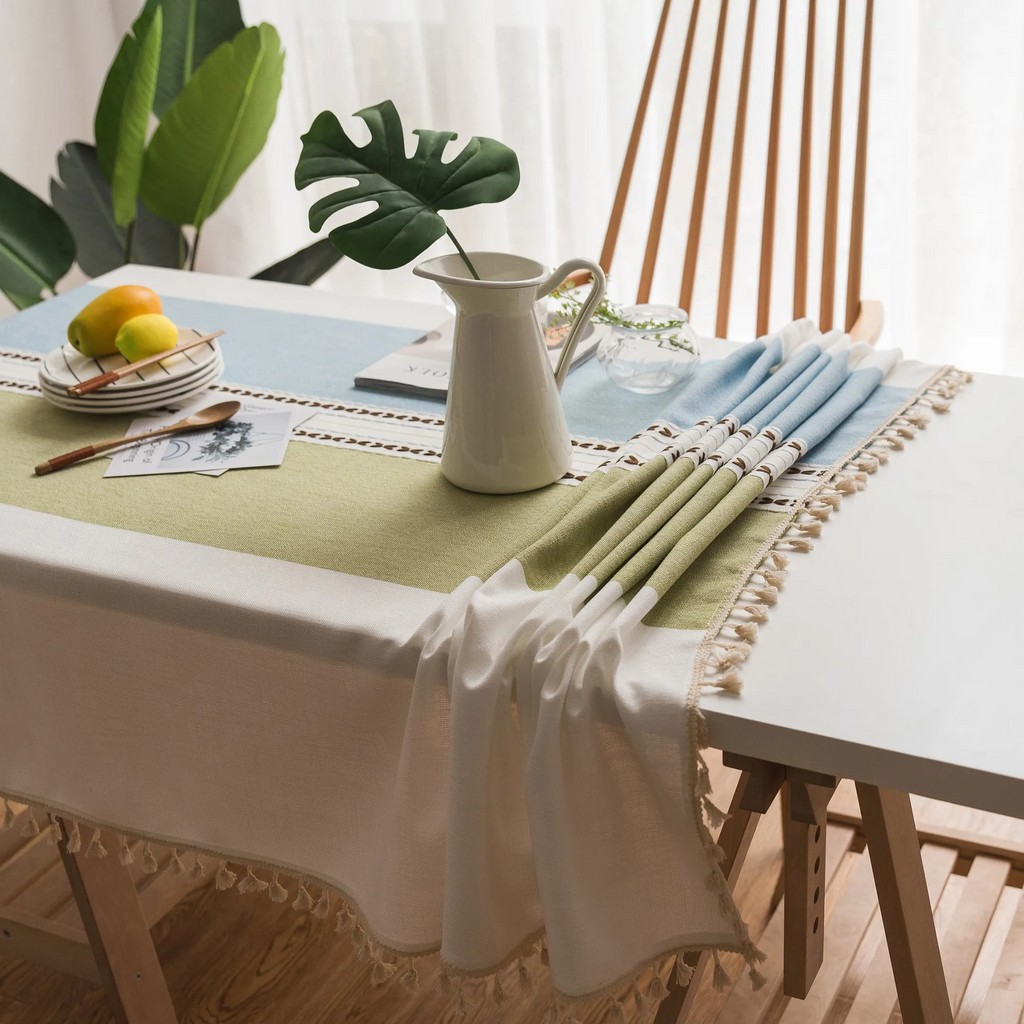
(193, 29)
(408, 191)
(81, 196)
(122, 115)
(36, 247)
(215, 128)
(303, 267)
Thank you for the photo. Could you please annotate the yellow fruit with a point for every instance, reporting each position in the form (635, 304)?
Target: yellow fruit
(95, 328)
(146, 335)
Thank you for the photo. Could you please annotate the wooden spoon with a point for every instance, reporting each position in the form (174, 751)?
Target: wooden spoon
(208, 417)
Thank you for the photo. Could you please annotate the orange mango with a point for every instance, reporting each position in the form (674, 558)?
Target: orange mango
(94, 330)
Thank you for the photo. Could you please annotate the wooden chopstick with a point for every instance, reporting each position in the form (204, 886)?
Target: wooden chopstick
(95, 383)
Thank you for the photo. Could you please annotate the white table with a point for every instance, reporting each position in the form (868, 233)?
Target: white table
(890, 659)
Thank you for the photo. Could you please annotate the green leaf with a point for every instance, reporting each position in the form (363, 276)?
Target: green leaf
(107, 123)
(135, 111)
(408, 191)
(36, 247)
(303, 267)
(82, 197)
(193, 29)
(215, 128)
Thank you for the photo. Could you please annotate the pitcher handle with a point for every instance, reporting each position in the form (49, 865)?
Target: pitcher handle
(581, 321)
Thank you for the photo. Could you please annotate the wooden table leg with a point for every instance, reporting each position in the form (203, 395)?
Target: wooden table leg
(804, 810)
(904, 905)
(120, 940)
(756, 789)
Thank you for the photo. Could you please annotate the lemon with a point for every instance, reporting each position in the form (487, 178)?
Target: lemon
(146, 335)
(94, 330)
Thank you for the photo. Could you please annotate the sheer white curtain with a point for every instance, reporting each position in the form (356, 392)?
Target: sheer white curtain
(558, 81)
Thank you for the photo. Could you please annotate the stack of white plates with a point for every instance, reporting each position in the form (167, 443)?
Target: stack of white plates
(169, 382)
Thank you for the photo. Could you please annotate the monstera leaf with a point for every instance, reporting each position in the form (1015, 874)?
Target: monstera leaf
(408, 191)
(303, 267)
(36, 248)
(215, 128)
(122, 116)
(81, 196)
(193, 29)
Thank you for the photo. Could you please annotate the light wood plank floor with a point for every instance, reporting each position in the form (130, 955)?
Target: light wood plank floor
(233, 959)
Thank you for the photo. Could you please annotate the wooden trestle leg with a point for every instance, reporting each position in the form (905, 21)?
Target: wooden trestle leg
(754, 794)
(120, 940)
(904, 905)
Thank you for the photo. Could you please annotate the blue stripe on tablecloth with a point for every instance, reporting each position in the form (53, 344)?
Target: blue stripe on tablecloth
(317, 355)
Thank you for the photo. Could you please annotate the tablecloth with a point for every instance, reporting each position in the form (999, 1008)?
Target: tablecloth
(347, 671)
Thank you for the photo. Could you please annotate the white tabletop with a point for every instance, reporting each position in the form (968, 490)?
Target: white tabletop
(892, 656)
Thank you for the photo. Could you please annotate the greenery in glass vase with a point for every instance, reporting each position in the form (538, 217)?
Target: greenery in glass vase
(666, 332)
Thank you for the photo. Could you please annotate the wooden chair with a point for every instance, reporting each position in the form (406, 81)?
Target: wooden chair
(862, 319)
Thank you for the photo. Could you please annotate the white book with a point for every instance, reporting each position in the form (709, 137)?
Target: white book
(421, 369)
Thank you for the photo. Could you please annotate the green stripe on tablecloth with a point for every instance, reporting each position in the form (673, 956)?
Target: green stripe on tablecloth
(376, 516)
(371, 515)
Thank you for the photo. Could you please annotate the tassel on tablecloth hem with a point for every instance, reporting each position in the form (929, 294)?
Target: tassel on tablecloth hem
(728, 640)
(726, 645)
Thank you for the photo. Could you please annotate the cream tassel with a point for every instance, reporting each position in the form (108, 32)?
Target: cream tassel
(96, 849)
(498, 993)
(341, 922)
(811, 529)
(196, 871)
(821, 514)
(732, 654)
(124, 851)
(303, 902)
(551, 1017)
(745, 631)
(684, 972)
(444, 986)
(360, 941)
(719, 980)
(31, 826)
(74, 839)
(251, 883)
(149, 864)
(175, 865)
(410, 981)
(774, 577)
(323, 906)
(381, 972)
(703, 786)
(832, 498)
(757, 979)
(525, 977)
(643, 1004)
(9, 816)
(657, 989)
(845, 486)
(768, 594)
(781, 561)
(895, 441)
(56, 835)
(730, 682)
(882, 454)
(224, 878)
(461, 1005)
(757, 612)
(619, 1015)
(278, 893)
(798, 544)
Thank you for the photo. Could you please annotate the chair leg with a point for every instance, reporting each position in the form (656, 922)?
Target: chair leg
(904, 904)
(120, 940)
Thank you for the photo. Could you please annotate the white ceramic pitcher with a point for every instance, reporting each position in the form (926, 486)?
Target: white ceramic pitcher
(505, 430)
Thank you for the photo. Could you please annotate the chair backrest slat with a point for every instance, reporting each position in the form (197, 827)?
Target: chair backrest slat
(774, 191)
(771, 180)
(735, 175)
(625, 178)
(661, 196)
(860, 171)
(700, 186)
(828, 254)
(803, 201)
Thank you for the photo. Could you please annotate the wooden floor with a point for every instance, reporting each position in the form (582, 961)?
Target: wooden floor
(245, 960)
